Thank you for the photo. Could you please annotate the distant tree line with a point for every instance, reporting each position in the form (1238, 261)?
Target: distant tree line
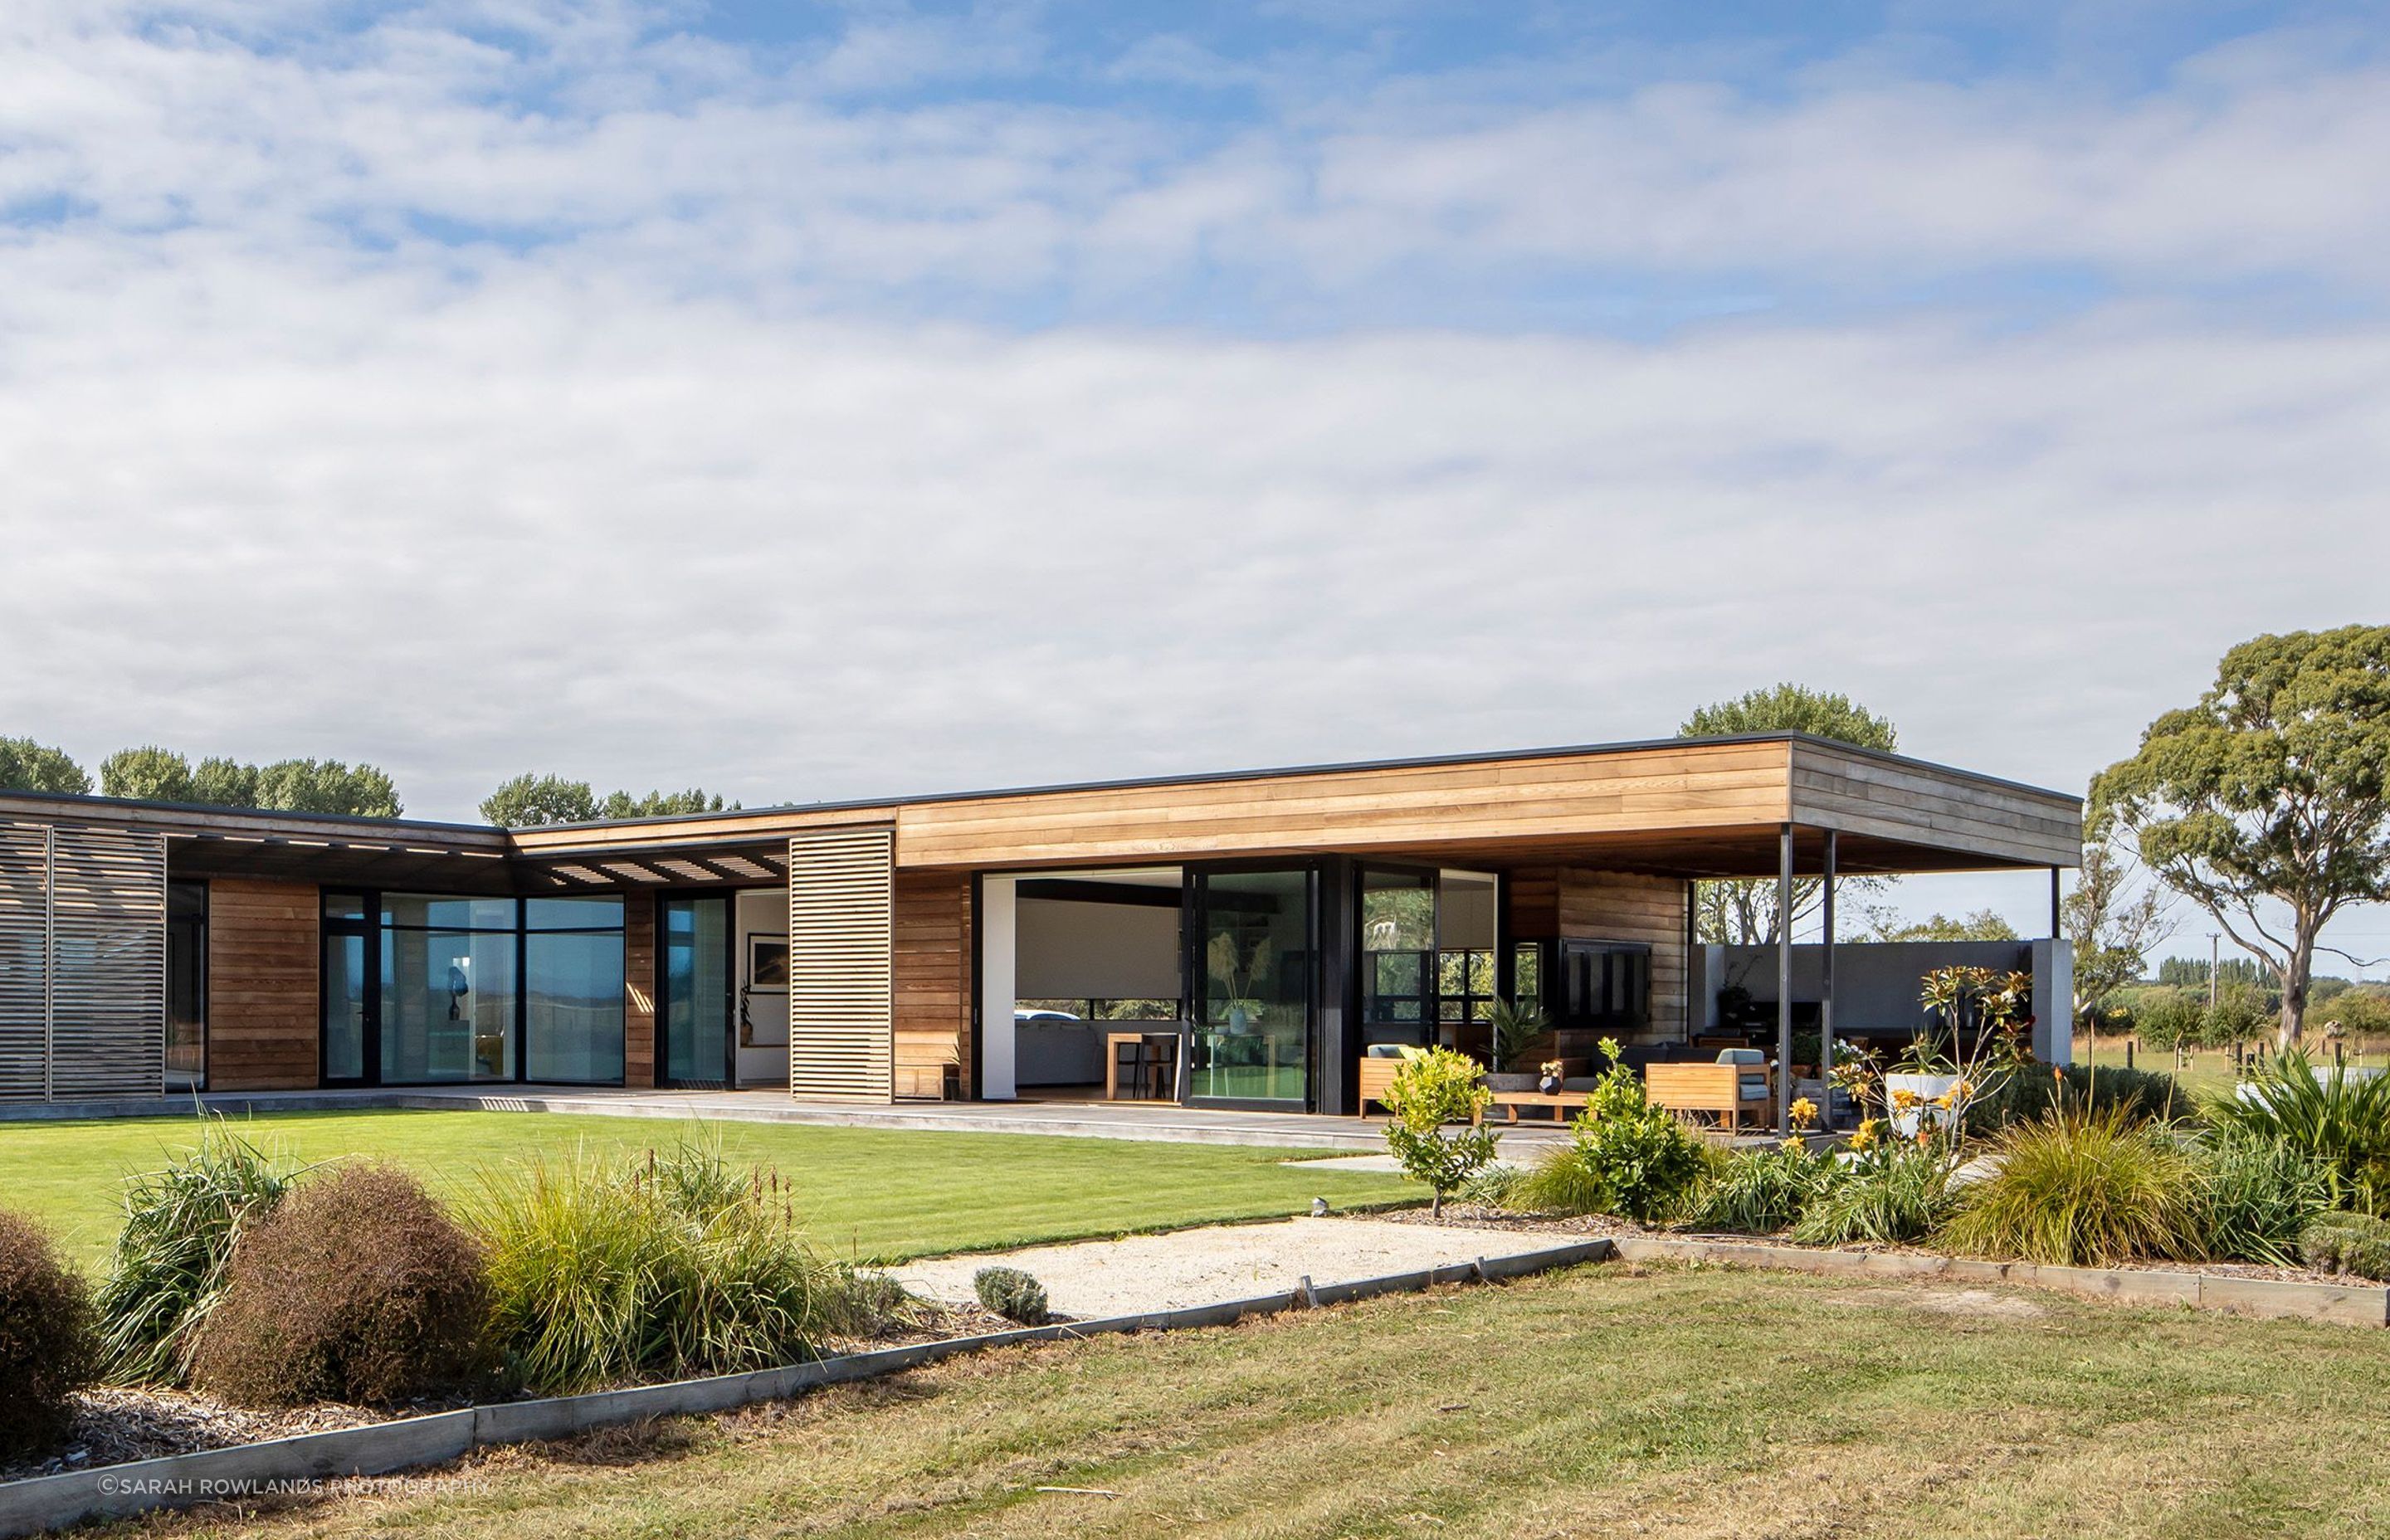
(528, 801)
(153, 774)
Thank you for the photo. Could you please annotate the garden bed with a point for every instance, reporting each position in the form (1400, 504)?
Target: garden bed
(117, 1425)
(1474, 1217)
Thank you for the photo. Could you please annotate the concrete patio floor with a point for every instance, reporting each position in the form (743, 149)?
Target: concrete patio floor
(1138, 1121)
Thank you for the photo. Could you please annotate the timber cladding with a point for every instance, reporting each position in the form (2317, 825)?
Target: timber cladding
(842, 987)
(934, 979)
(264, 1000)
(1570, 901)
(638, 989)
(1719, 786)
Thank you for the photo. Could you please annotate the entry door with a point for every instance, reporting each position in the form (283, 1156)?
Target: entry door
(1251, 958)
(351, 1048)
(695, 1021)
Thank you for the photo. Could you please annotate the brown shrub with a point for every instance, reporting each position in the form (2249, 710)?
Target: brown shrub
(358, 1287)
(49, 1345)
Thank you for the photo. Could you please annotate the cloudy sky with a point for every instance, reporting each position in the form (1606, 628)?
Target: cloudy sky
(826, 399)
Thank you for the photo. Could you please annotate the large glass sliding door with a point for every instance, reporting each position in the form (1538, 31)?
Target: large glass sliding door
(697, 967)
(1253, 957)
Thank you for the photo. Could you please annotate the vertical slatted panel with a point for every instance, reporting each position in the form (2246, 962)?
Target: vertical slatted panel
(24, 976)
(842, 979)
(107, 963)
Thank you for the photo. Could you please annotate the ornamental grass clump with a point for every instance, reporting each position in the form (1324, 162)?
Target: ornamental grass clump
(2256, 1199)
(1760, 1191)
(357, 1288)
(1624, 1156)
(1887, 1190)
(607, 1270)
(48, 1347)
(1432, 1089)
(172, 1249)
(2080, 1189)
(2340, 1119)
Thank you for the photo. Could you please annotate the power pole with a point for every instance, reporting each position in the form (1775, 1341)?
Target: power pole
(2212, 939)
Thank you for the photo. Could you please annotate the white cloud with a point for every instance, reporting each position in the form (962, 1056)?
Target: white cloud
(694, 485)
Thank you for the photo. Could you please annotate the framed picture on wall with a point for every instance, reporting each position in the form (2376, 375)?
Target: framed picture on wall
(767, 961)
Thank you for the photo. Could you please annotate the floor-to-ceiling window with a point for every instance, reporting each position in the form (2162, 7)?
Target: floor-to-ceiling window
(573, 989)
(433, 988)
(1252, 958)
(1398, 955)
(448, 988)
(349, 1000)
(695, 943)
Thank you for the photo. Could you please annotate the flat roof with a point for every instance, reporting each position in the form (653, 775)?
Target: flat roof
(1894, 807)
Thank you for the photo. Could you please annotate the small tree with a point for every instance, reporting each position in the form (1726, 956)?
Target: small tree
(1432, 1089)
(2268, 803)
(2110, 928)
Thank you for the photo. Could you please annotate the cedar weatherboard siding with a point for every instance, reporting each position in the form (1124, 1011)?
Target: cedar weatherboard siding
(640, 989)
(933, 973)
(1554, 902)
(265, 990)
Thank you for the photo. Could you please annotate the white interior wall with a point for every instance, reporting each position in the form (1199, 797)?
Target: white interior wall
(763, 1060)
(998, 954)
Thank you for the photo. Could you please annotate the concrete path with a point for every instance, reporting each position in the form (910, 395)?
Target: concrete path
(1160, 1122)
(1093, 1278)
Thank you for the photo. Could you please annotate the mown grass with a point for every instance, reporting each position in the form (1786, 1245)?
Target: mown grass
(1675, 1402)
(861, 1193)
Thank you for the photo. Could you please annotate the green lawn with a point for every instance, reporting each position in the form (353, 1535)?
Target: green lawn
(1676, 1401)
(869, 1193)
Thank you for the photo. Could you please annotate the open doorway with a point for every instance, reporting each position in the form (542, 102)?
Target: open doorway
(1081, 971)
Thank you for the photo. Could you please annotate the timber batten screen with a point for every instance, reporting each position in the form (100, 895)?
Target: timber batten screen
(842, 974)
(24, 962)
(83, 963)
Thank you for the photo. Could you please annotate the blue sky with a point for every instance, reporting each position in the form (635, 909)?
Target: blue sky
(827, 401)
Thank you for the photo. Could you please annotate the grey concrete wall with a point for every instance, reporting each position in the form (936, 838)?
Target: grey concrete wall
(1876, 982)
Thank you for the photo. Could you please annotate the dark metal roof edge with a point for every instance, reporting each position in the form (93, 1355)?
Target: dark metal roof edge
(330, 821)
(352, 821)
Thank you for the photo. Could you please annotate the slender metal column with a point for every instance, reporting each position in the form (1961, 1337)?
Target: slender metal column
(1826, 999)
(2057, 907)
(1784, 981)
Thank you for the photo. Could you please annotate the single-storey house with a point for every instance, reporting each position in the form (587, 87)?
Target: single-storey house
(1242, 940)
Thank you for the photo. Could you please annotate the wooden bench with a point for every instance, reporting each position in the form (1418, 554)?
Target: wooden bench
(1710, 1088)
(1562, 1103)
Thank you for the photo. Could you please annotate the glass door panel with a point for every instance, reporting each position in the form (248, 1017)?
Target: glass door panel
(346, 991)
(1398, 956)
(696, 1021)
(1254, 959)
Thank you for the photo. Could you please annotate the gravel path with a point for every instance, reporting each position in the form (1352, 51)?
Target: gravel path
(1225, 1262)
